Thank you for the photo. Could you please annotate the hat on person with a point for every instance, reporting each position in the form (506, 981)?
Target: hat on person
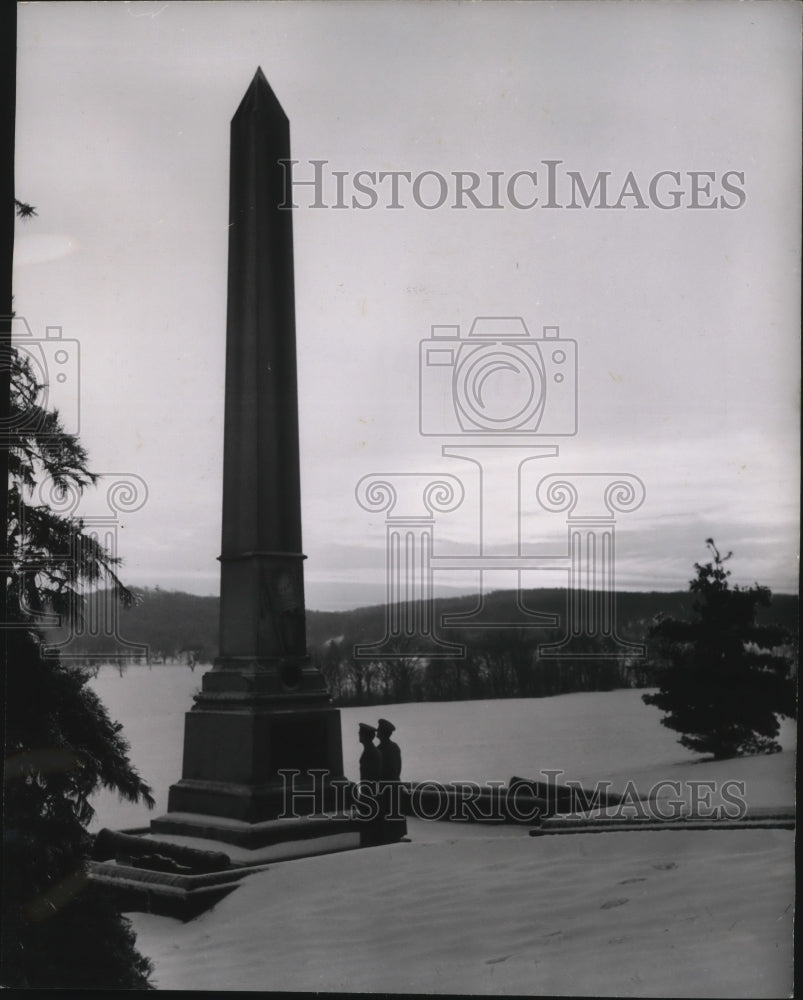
(367, 730)
(385, 727)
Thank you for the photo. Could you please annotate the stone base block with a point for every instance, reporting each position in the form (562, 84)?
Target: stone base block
(244, 761)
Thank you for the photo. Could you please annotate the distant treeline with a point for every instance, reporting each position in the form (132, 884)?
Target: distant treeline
(171, 626)
(498, 663)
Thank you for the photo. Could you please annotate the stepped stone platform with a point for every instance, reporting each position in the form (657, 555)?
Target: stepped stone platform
(291, 834)
(169, 895)
(184, 872)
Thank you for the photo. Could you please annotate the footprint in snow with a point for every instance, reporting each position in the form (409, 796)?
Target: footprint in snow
(609, 905)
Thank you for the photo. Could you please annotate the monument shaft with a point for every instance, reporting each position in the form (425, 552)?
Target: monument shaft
(262, 590)
(263, 706)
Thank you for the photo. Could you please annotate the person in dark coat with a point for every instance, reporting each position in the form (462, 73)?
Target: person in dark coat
(370, 771)
(391, 754)
(394, 825)
(370, 759)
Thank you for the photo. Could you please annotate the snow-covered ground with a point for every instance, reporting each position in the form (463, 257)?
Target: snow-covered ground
(488, 909)
(594, 735)
(639, 914)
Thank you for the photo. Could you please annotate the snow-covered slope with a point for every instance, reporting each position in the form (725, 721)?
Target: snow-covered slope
(590, 736)
(488, 909)
(634, 914)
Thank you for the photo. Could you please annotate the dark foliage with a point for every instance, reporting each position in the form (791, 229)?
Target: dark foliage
(59, 930)
(23, 210)
(53, 559)
(61, 745)
(723, 678)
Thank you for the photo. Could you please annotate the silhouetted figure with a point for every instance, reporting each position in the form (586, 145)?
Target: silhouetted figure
(370, 759)
(394, 824)
(391, 754)
(370, 771)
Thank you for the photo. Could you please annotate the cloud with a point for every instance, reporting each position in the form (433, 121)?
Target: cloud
(43, 247)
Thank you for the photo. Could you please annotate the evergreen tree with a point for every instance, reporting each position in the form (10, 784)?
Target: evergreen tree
(59, 929)
(724, 679)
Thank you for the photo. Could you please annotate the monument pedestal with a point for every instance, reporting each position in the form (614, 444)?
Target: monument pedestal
(240, 736)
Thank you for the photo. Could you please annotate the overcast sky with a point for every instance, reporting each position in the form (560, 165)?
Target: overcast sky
(686, 320)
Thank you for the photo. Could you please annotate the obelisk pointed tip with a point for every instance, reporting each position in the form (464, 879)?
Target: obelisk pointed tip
(260, 98)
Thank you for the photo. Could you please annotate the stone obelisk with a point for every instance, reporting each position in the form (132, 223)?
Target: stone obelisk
(263, 706)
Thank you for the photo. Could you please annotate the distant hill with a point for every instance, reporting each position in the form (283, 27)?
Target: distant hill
(174, 626)
(181, 627)
(635, 610)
